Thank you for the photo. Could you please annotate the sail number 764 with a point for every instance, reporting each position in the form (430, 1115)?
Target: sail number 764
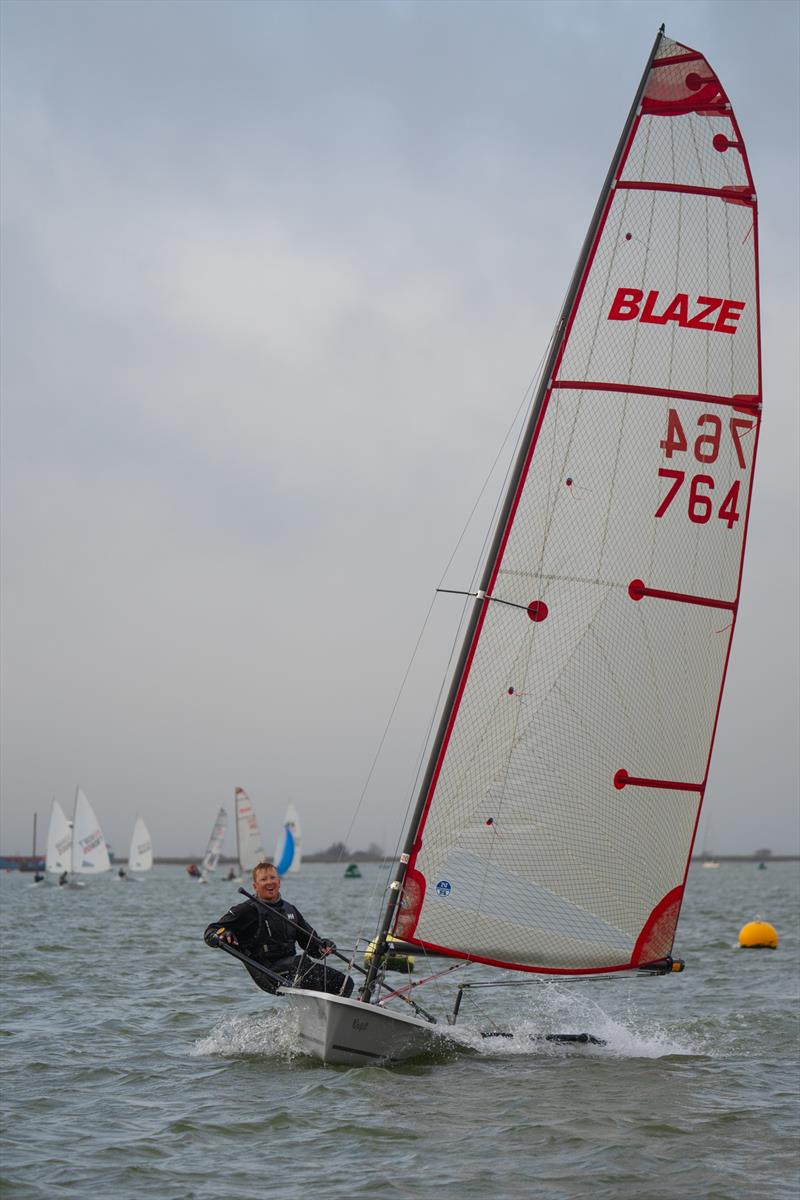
(701, 502)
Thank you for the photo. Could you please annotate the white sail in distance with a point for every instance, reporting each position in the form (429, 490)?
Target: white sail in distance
(58, 855)
(563, 792)
(248, 837)
(215, 844)
(89, 851)
(140, 857)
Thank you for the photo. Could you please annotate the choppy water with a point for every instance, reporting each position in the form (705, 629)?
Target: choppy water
(138, 1063)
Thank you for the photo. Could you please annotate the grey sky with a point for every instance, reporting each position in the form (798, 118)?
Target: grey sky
(275, 280)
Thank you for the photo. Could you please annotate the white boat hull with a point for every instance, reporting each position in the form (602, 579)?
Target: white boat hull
(351, 1033)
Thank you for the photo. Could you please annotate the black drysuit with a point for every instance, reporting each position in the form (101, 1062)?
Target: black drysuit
(267, 932)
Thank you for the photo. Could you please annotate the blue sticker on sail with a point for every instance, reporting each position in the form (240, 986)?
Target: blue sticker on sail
(443, 888)
(288, 852)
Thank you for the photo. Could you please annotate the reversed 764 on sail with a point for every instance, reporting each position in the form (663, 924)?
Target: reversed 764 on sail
(706, 449)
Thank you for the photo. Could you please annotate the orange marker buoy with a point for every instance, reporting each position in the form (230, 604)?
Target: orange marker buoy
(758, 935)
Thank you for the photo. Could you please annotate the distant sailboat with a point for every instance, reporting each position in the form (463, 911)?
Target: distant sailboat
(75, 847)
(89, 850)
(249, 850)
(140, 856)
(58, 857)
(288, 849)
(34, 862)
(214, 848)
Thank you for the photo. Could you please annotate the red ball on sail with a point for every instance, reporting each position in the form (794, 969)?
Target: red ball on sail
(537, 610)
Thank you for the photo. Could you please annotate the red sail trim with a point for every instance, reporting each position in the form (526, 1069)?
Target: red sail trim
(746, 525)
(447, 952)
(744, 403)
(655, 940)
(622, 780)
(410, 904)
(743, 151)
(637, 590)
(678, 58)
(731, 194)
(696, 102)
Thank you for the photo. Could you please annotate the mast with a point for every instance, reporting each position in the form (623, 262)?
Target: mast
(396, 887)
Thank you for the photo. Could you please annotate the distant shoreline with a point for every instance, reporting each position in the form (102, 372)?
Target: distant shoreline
(13, 862)
(360, 858)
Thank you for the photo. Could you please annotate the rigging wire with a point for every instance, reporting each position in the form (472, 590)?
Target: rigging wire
(521, 408)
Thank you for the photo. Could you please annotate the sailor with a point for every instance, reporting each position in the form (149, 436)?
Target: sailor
(269, 931)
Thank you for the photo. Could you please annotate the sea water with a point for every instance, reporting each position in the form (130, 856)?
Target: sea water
(139, 1063)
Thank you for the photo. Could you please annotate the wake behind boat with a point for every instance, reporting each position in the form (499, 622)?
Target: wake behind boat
(554, 825)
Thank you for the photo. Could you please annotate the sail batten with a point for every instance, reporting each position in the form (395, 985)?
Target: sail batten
(563, 794)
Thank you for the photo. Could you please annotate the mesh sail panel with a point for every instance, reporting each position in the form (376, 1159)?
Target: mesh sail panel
(561, 813)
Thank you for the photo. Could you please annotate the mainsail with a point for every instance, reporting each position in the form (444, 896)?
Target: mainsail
(556, 819)
(58, 856)
(140, 857)
(215, 843)
(288, 850)
(89, 851)
(248, 838)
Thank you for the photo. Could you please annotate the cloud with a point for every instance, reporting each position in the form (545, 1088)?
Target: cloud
(276, 279)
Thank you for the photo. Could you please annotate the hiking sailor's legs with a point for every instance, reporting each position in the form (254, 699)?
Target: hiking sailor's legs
(313, 976)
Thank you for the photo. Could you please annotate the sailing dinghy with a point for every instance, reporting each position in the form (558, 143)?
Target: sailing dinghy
(249, 850)
(288, 850)
(58, 855)
(555, 822)
(77, 847)
(214, 847)
(140, 856)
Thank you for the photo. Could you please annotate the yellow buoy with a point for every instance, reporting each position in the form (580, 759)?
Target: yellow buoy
(758, 935)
